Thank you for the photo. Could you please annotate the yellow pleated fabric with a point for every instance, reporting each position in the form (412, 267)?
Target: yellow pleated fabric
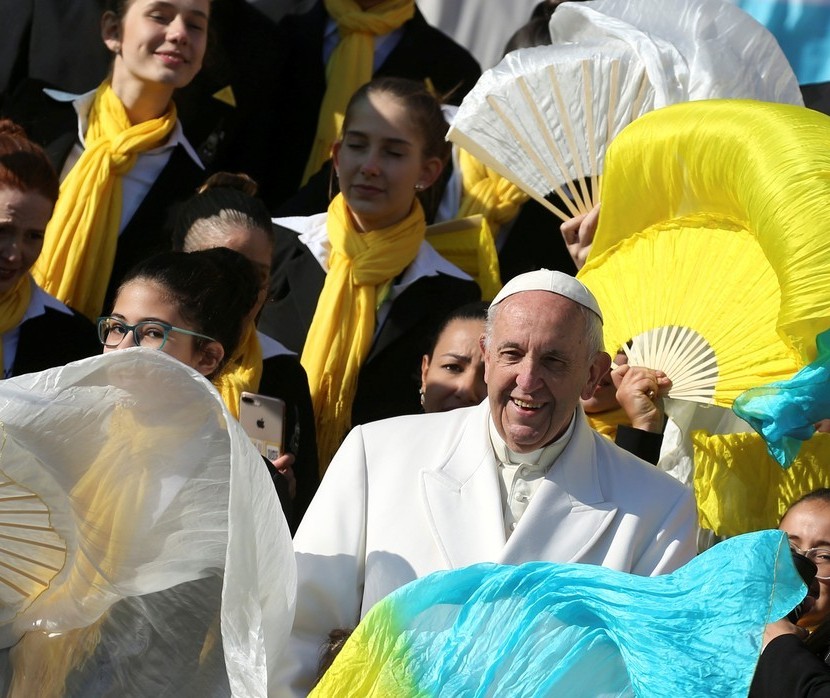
(740, 488)
(351, 65)
(487, 193)
(468, 243)
(343, 326)
(762, 167)
(243, 372)
(13, 305)
(77, 257)
(606, 423)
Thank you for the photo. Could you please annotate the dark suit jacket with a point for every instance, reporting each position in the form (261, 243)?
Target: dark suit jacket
(423, 52)
(54, 339)
(284, 377)
(787, 669)
(54, 125)
(389, 378)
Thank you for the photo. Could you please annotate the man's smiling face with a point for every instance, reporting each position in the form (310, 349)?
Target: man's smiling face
(537, 364)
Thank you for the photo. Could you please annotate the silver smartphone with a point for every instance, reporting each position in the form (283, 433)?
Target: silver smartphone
(263, 419)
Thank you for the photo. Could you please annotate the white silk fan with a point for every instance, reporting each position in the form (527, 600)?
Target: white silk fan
(543, 117)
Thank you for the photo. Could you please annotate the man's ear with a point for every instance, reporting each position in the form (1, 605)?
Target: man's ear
(210, 356)
(111, 31)
(599, 367)
(485, 353)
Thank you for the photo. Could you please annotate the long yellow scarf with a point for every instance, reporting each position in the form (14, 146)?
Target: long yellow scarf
(486, 192)
(344, 322)
(243, 372)
(351, 64)
(78, 254)
(13, 305)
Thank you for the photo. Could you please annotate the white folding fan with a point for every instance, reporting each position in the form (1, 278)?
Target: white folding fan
(544, 117)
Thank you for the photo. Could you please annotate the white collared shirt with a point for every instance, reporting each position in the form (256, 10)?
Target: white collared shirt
(521, 474)
(148, 166)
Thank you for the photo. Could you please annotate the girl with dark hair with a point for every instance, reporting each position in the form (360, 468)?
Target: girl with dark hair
(36, 330)
(191, 306)
(227, 213)
(452, 373)
(120, 150)
(357, 289)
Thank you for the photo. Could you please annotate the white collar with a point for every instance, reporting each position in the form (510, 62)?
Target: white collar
(546, 455)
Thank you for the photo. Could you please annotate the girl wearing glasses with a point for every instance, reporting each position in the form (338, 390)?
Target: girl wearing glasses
(191, 306)
(120, 149)
(31, 319)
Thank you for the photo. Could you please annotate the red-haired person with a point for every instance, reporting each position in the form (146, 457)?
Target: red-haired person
(37, 330)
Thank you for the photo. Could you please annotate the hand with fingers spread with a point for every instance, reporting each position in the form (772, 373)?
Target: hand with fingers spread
(640, 392)
(579, 235)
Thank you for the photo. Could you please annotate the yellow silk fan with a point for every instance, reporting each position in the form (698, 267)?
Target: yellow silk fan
(544, 117)
(711, 261)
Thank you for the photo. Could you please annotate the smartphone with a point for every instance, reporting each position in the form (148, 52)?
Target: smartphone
(263, 419)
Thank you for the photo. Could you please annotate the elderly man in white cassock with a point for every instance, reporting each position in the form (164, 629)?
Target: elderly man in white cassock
(520, 477)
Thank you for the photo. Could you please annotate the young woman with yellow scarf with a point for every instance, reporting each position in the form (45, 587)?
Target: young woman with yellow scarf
(357, 290)
(36, 330)
(121, 151)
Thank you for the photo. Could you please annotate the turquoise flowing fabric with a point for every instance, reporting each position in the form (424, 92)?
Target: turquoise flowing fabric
(803, 31)
(544, 629)
(784, 412)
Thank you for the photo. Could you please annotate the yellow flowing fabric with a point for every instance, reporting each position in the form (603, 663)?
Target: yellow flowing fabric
(351, 64)
(13, 306)
(79, 250)
(740, 488)
(758, 166)
(243, 372)
(606, 423)
(343, 326)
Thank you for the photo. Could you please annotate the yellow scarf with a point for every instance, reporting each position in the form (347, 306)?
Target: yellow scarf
(243, 372)
(344, 322)
(351, 64)
(13, 305)
(77, 257)
(487, 193)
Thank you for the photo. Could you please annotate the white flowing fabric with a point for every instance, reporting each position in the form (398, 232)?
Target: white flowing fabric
(132, 499)
(545, 116)
(727, 54)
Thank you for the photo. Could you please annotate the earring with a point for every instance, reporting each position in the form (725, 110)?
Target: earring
(419, 187)
(421, 393)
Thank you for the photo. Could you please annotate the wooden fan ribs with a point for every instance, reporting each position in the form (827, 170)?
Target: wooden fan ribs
(31, 551)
